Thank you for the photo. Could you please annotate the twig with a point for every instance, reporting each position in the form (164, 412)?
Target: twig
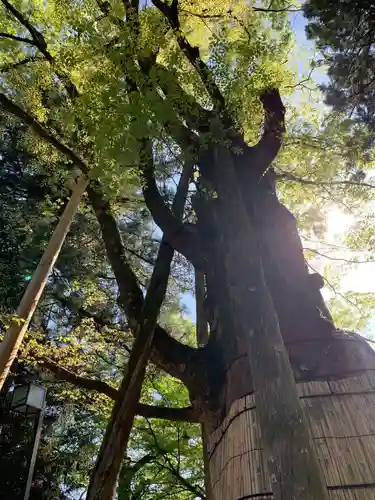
(338, 258)
(290, 177)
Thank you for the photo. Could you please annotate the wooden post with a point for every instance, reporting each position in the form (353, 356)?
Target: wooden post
(18, 327)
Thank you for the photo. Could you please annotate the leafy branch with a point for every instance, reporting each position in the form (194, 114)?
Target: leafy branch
(196, 490)
(192, 53)
(38, 40)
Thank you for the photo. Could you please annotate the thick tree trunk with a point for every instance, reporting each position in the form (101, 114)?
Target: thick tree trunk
(342, 423)
(249, 331)
(263, 442)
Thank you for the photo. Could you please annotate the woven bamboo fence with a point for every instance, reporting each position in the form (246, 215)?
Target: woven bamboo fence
(341, 415)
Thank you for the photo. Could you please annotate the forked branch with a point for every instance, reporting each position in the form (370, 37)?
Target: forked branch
(180, 236)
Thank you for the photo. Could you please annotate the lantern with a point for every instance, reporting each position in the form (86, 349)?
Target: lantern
(28, 399)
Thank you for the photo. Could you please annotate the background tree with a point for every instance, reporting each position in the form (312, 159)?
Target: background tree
(345, 35)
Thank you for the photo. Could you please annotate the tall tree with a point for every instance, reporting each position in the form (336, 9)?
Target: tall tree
(345, 34)
(137, 88)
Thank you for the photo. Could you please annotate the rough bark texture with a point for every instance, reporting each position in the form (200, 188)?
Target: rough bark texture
(255, 335)
(103, 481)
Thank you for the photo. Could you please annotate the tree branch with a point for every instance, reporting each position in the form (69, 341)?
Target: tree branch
(62, 373)
(108, 463)
(285, 9)
(185, 138)
(192, 53)
(131, 10)
(329, 257)
(186, 106)
(131, 297)
(10, 107)
(285, 176)
(196, 490)
(17, 38)
(181, 237)
(143, 410)
(10, 66)
(274, 128)
(187, 414)
(167, 353)
(37, 37)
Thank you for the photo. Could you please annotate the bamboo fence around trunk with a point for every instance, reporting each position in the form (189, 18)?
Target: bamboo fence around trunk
(341, 415)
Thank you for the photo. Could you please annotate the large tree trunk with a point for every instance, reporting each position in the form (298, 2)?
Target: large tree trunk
(247, 332)
(262, 442)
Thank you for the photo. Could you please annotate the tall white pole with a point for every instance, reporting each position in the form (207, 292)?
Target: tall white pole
(37, 436)
(18, 327)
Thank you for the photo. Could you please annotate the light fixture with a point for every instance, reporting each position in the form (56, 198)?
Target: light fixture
(28, 399)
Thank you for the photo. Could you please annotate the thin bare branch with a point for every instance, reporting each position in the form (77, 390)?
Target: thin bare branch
(270, 10)
(17, 38)
(321, 254)
(148, 411)
(286, 176)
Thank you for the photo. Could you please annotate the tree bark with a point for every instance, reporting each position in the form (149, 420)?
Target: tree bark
(103, 482)
(254, 335)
